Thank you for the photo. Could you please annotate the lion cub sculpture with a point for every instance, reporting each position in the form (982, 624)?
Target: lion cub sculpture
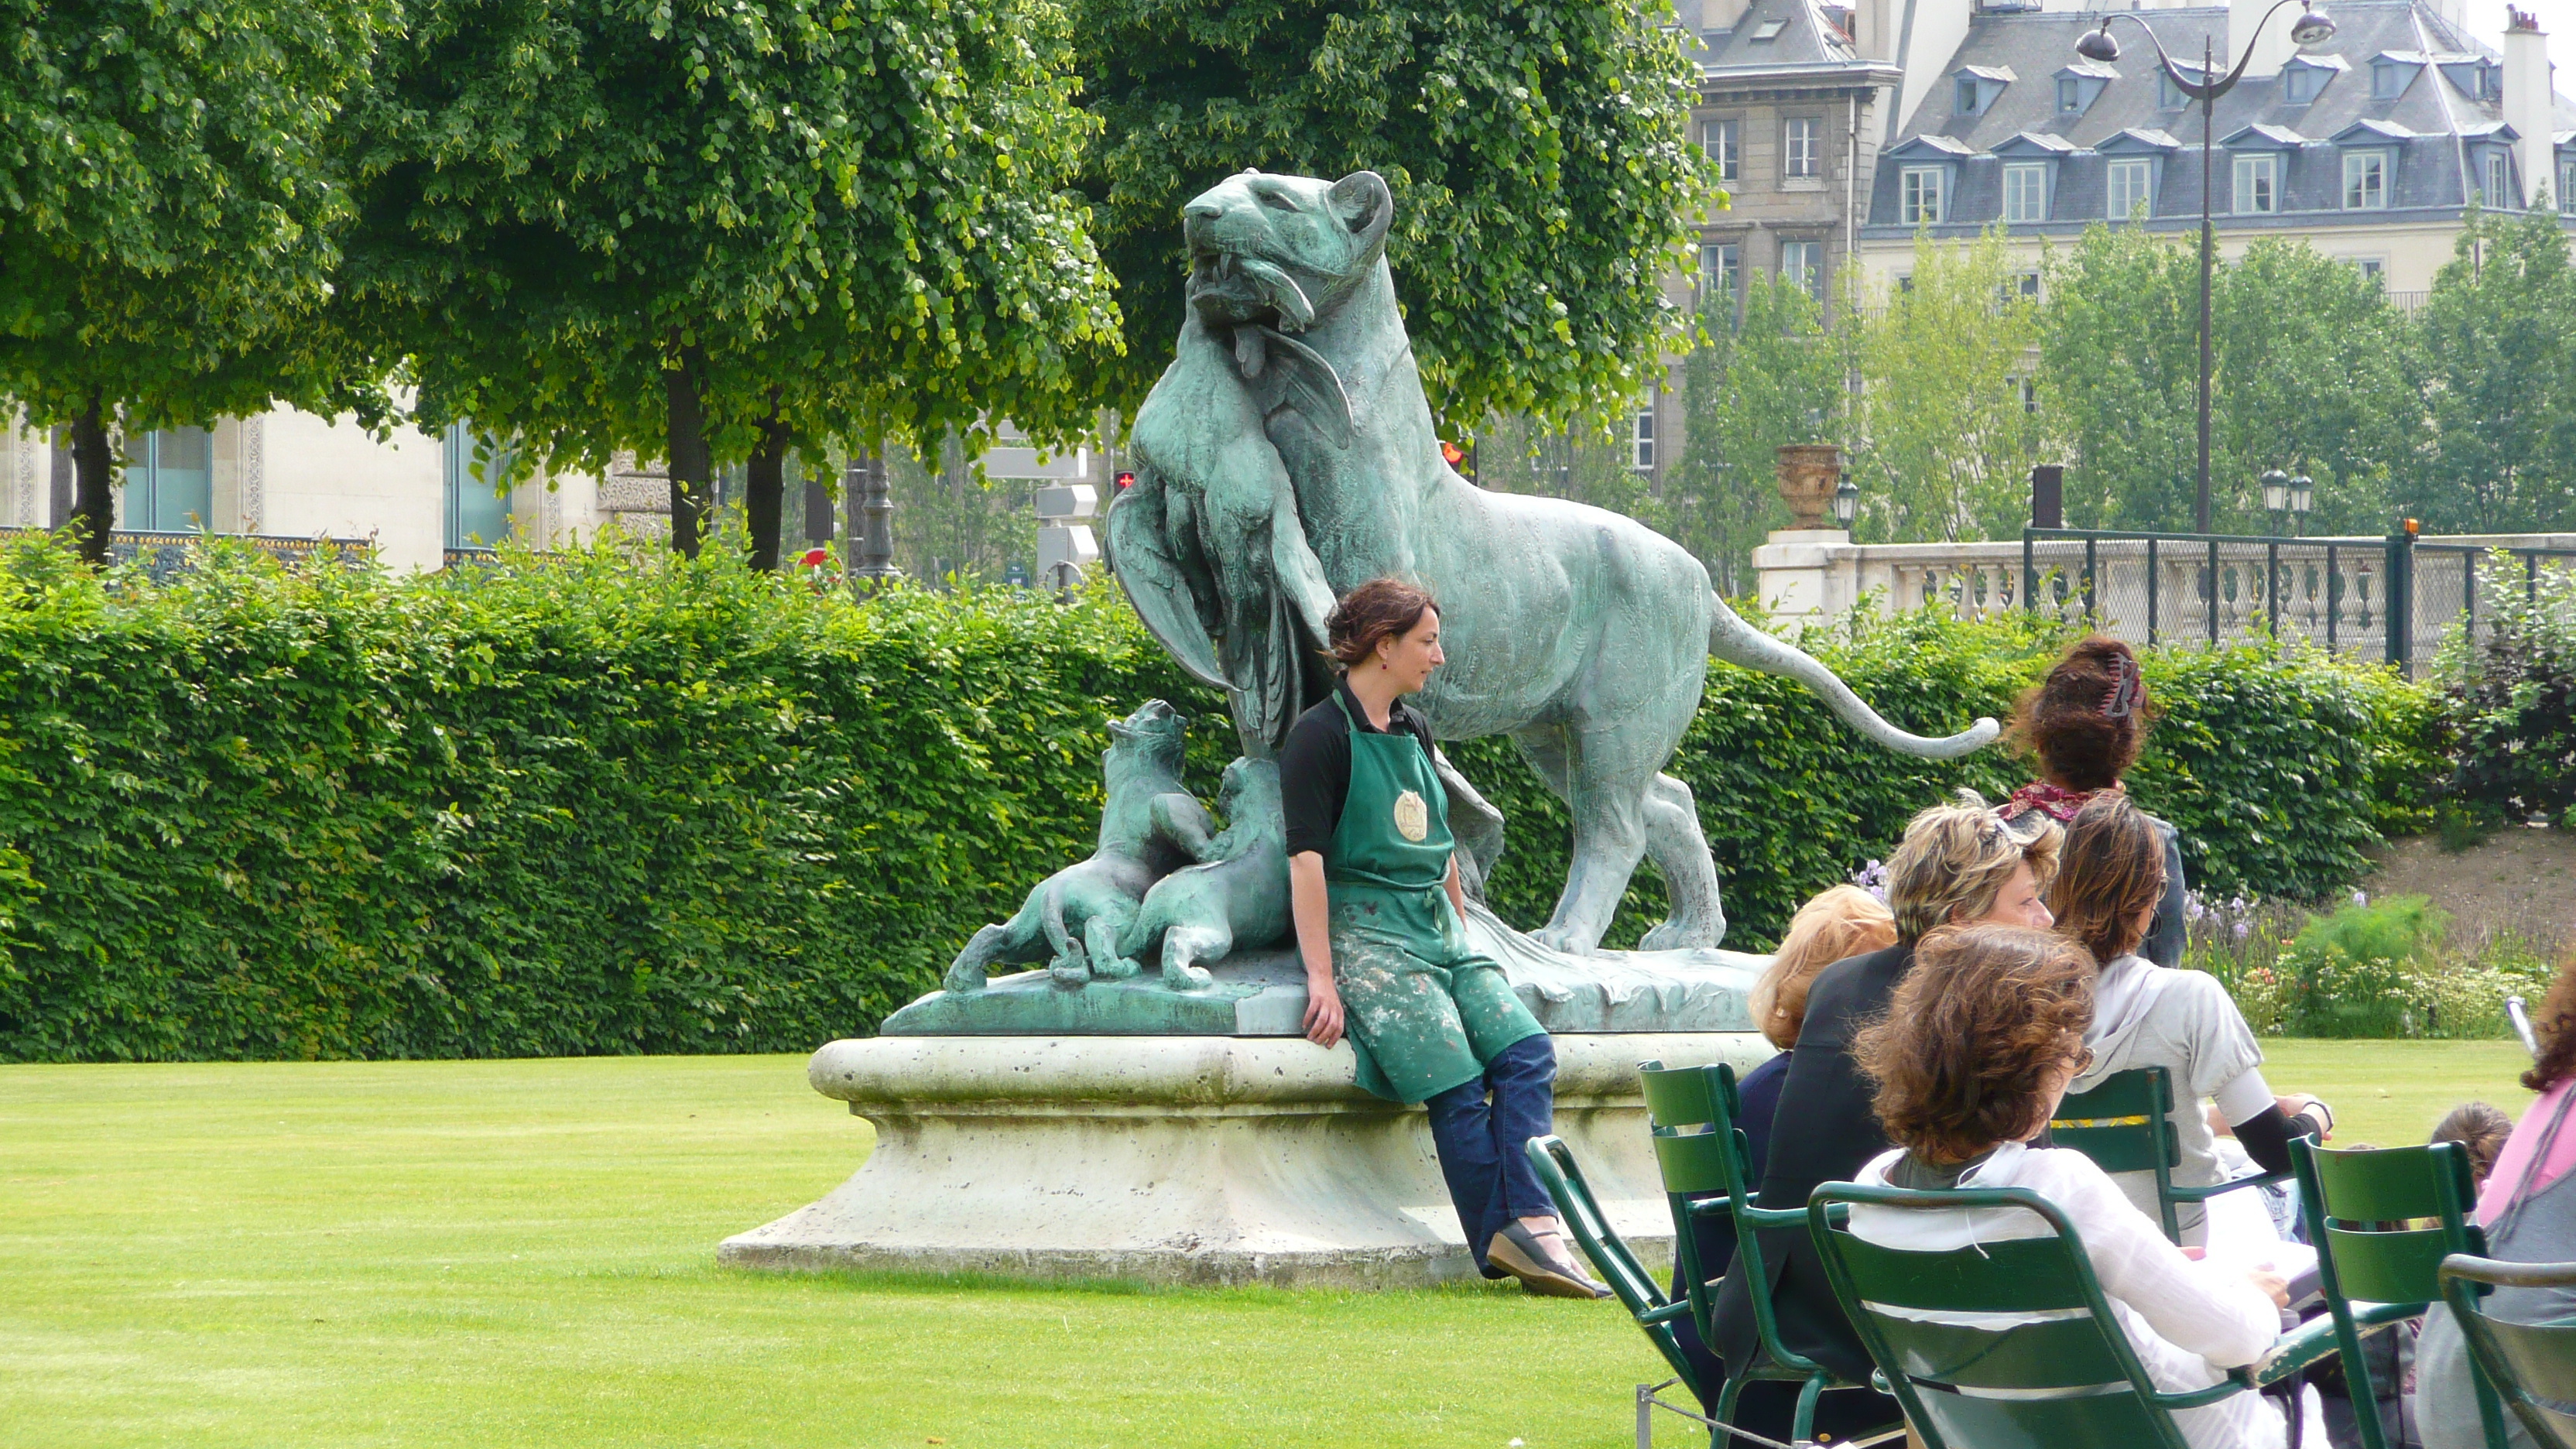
(1150, 826)
(1238, 897)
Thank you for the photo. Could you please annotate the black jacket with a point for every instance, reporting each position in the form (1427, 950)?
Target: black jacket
(1823, 1132)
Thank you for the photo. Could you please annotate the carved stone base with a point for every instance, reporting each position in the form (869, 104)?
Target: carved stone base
(1184, 1160)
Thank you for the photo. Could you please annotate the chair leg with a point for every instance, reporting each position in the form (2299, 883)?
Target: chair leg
(1802, 1429)
(2490, 1408)
(1732, 1390)
(2356, 1379)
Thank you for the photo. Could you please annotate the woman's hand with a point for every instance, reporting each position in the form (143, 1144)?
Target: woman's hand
(2271, 1284)
(2323, 1116)
(1323, 1011)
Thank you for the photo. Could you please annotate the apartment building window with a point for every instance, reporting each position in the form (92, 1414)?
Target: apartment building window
(1719, 139)
(1720, 272)
(2169, 97)
(2027, 283)
(475, 515)
(1802, 265)
(2026, 389)
(1919, 191)
(1644, 444)
(2258, 180)
(2130, 184)
(2299, 84)
(2388, 81)
(2372, 269)
(2566, 181)
(2365, 180)
(2499, 184)
(2070, 94)
(169, 481)
(2026, 192)
(1798, 148)
(1967, 97)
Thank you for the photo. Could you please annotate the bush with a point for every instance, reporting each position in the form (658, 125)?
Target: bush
(600, 802)
(2510, 699)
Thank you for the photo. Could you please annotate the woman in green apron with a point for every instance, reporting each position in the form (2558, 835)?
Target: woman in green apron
(1379, 914)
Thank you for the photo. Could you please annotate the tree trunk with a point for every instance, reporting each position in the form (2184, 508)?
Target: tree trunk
(691, 469)
(94, 505)
(764, 493)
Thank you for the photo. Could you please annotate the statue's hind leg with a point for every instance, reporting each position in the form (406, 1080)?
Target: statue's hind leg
(1680, 849)
(1598, 781)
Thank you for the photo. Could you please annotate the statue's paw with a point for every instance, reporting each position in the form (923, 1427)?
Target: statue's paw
(1679, 936)
(1181, 976)
(1115, 968)
(1566, 939)
(1071, 970)
(962, 979)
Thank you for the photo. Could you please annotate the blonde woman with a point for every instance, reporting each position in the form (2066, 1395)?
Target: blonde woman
(1960, 864)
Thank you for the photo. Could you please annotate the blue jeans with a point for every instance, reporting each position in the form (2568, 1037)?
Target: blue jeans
(1483, 1147)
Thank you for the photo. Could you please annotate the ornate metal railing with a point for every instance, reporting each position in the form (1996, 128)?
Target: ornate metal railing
(166, 553)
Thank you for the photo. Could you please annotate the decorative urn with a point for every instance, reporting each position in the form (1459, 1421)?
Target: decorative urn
(1808, 475)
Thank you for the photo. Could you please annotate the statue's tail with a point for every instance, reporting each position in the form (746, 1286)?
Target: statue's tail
(1736, 642)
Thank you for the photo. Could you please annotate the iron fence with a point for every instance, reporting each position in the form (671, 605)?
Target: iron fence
(166, 553)
(2390, 598)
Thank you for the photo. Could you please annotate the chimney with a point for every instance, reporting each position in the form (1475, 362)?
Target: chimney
(2527, 106)
(1874, 30)
(2271, 46)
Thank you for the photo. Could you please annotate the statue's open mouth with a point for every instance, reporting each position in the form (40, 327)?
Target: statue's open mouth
(1230, 287)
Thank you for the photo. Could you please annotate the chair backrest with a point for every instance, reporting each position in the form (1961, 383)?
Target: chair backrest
(2365, 1207)
(2000, 1343)
(2533, 1365)
(2126, 1125)
(1701, 1153)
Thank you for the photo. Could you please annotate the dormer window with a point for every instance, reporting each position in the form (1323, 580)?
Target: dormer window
(1978, 87)
(2169, 96)
(2388, 82)
(2299, 84)
(2069, 96)
(2081, 84)
(2498, 190)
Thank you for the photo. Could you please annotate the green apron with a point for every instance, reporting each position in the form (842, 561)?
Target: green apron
(1423, 1010)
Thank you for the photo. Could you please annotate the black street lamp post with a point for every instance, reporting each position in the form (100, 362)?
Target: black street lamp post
(2311, 27)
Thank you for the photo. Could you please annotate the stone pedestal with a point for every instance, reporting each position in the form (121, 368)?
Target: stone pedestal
(1185, 1159)
(1805, 573)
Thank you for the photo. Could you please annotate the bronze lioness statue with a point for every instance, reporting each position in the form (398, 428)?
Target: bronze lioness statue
(1582, 634)
(1149, 827)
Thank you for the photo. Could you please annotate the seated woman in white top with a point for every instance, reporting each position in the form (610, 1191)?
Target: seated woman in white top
(2110, 874)
(1971, 1059)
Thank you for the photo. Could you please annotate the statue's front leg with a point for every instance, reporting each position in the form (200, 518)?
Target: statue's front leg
(1694, 917)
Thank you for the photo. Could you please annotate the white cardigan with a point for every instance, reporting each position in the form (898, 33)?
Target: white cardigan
(2189, 1321)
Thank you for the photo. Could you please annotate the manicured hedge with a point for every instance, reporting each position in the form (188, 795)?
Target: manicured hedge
(604, 803)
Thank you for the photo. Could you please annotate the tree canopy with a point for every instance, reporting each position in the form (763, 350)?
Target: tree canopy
(716, 232)
(1538, 153)
(170, 199)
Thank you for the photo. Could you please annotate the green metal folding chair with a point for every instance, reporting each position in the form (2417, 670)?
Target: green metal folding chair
(2126, 1125)
(2377, 1264)
(1706, 1168)
(2532, 1366)
(2009, 1344)
(1637, 1290)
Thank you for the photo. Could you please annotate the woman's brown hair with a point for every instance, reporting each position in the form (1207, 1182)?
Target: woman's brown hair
(2481, 1129)
(2088, 719)
(1378, 609)
(1963, 1055)
(2554, 1027)
(1842, 921)
(2110, 869)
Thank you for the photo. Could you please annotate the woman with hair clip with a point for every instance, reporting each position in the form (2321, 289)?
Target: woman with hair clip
(2085, 724)
(1373, 884)
(2110, 878)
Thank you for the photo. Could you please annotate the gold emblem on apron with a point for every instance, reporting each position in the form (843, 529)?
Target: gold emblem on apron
(1412, 817)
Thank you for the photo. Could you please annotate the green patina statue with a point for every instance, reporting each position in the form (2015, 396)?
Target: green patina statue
(1150, 827)
(1238, 898)
(1288, 455)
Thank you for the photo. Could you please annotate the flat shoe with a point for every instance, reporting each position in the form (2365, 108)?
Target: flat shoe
(1515, 1250)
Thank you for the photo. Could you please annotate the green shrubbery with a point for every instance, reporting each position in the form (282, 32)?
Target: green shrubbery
(2368, 969)
(2511, 700)
(600, 802)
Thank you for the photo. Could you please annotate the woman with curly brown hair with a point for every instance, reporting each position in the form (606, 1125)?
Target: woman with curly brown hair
(1970, 1061)
(2085, 724)
(2528, 1208)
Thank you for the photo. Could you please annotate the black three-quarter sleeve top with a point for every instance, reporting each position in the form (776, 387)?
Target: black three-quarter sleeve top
(1315, 765)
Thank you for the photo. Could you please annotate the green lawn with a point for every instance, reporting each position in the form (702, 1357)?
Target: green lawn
(501, 1253)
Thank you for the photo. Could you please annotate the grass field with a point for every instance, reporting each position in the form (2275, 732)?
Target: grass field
(507, 1253)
